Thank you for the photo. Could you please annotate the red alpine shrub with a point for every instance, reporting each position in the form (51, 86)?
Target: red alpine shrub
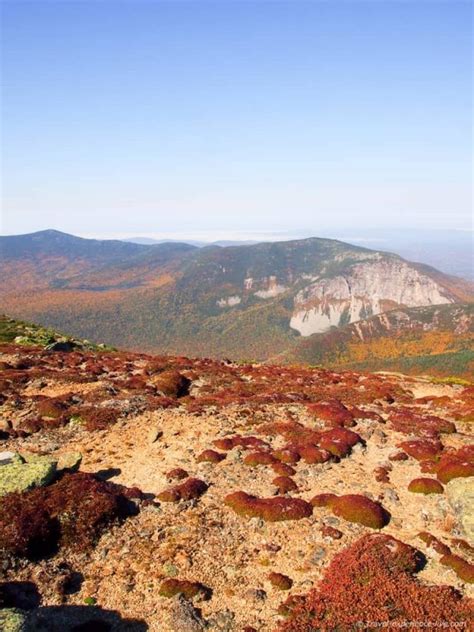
(372, 583)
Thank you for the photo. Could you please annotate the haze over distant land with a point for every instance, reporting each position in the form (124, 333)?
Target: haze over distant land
(452, 251)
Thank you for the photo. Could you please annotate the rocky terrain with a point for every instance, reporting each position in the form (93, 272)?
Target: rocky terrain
(169, 494)
(253, 302)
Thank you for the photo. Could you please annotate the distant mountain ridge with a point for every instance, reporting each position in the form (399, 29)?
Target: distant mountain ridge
(253, 301)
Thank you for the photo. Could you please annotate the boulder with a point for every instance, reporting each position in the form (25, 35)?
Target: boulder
(19, 476)
(460, 493)
(185, 617)
(69, 461)
(10, 457)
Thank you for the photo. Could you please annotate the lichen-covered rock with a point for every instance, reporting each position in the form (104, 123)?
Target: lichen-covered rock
(69, 461)
(21, 476)
(13, 620)
(460, 493)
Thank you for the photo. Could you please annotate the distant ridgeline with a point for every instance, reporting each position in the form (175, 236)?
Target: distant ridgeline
(317, 301)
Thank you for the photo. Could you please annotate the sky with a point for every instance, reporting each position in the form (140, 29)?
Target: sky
(235, 118)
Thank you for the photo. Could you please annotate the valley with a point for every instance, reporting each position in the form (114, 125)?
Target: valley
(251, 302)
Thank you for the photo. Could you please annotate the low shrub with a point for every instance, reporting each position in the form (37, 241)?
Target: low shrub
(285, 484)
(172, 587)
(178, 474)
(333, 413)
(313, 455)
(360, 509)
(339, 441)
(322, 500)
(280, 581)
(191, 488)
(463, 569)
(72, 512)
(259, 458)
(331, 532)
(210, 456)
(283, 469)
(269, 509)
(454, 467)
(238, 441)
(373, 581)
(96, 418)
(425, 486)
(433, 542)
(381, 475)
(422, 449)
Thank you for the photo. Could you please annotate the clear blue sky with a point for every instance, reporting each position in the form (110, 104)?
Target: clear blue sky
(154, 117)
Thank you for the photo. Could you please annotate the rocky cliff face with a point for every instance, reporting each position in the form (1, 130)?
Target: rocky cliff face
(239, 302)
(366, 290)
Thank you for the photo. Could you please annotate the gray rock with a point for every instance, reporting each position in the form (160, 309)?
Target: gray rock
(223, 621)
(460, 493)
(185, 617)
(256, 594)
(317, 555)
(10, 457)
(391, 495)
(154, 434)
(69, 461)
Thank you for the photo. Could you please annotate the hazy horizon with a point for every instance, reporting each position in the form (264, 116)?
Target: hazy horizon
(236, 117)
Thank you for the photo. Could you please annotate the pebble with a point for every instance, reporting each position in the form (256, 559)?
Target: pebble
(223, 621)
(154, 434)
(391, 495)
(256, 594)
(317, 555)
(185, 617)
